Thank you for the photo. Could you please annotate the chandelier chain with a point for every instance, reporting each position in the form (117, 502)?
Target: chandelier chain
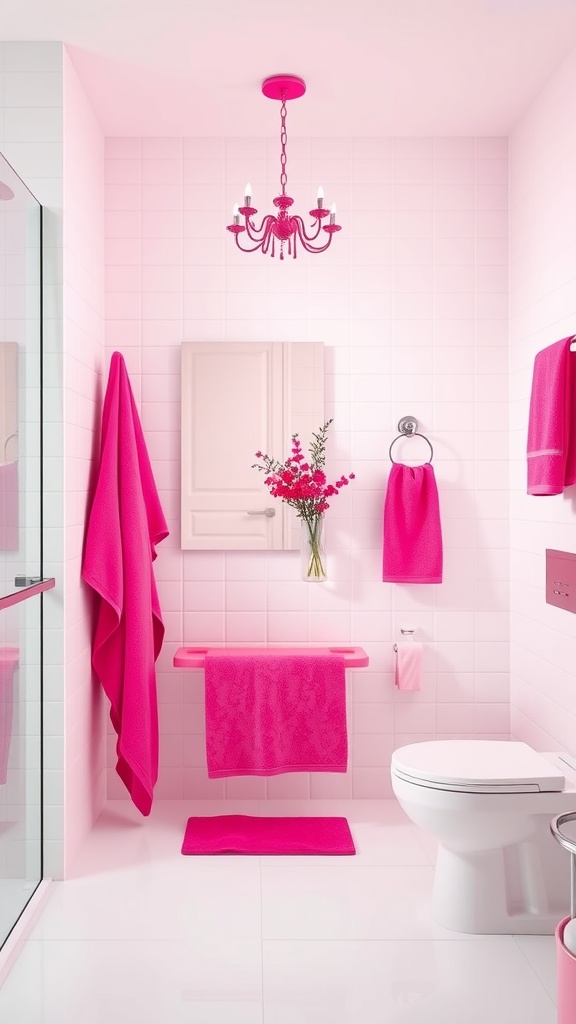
(283, 140)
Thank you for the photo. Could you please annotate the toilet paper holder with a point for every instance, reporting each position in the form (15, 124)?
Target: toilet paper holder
(408, 634)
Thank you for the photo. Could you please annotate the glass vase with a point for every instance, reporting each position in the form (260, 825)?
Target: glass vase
(312, 554)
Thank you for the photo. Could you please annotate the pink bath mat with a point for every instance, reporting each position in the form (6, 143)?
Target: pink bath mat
(247, 834)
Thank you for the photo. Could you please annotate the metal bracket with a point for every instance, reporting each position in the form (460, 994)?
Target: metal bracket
(408, 425)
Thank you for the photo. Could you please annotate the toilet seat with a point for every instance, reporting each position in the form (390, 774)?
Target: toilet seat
(477, 766)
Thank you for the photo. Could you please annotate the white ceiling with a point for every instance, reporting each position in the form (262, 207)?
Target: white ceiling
(373, 67)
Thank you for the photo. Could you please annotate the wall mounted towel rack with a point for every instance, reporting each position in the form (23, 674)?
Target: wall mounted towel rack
(408, 427)
(194, 657)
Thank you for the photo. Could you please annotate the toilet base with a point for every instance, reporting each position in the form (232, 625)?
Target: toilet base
(499, 891)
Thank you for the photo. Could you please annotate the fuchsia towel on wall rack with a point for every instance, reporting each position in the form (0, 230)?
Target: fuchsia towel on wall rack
(412, 531)
(551, 448)
(266, 715)
(125, 524)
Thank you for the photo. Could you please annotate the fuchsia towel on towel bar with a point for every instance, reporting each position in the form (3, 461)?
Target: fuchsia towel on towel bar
(551, 442)
(266, 715)
(412, 531)
(126, 522)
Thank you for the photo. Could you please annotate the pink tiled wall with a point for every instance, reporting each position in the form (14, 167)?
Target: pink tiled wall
(411, 304)
(543, 310)
(83, 305)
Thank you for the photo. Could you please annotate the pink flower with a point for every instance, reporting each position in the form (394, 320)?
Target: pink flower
(300, 483)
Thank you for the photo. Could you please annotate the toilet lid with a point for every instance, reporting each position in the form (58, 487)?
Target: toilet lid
(477, 766)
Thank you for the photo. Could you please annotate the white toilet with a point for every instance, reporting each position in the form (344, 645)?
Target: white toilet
(489, 803)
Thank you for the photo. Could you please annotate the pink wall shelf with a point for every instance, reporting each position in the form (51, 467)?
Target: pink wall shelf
(193, 657)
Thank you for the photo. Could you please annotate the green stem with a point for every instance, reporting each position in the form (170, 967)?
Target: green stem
(315, 568)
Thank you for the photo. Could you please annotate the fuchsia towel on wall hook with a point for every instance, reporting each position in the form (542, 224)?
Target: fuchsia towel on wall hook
(125, 524)
(551, 448)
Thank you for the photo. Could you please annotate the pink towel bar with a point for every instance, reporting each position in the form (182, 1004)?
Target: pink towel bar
(193, 657)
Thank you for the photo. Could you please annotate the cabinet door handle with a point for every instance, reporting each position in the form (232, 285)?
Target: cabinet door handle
(269, 512)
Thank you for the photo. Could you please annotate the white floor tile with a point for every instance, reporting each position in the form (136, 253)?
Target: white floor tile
(187, 899)
(540, 952)
(139, 982)
(402, 983)
(328, 899)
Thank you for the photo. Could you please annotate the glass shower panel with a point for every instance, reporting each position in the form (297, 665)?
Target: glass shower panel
(20, 378)
(20, 547)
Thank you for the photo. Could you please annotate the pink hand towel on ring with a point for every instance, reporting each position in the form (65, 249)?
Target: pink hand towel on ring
(408, 669)
(412, 530)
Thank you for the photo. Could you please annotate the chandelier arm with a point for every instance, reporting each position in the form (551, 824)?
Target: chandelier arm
(302, 229)
(258, 234)
(268, 237)
(307, 242)
(262, 243)
(313, 248)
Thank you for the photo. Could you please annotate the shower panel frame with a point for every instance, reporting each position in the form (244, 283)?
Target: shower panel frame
(24, 589)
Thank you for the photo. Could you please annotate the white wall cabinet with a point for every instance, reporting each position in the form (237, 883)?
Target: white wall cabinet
(237, 399)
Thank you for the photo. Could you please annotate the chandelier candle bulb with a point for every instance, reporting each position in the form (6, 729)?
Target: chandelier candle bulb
(320, 197)
(235, 214)
(333, 213)
(248, 194)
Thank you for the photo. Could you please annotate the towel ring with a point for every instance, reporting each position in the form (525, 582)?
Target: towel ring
(408, 427)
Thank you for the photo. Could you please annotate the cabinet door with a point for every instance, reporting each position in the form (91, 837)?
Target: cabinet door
(231, 408)
(237, 399)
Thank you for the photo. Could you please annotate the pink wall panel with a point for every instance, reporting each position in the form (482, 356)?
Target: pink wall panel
(543, 310)
(411, 304)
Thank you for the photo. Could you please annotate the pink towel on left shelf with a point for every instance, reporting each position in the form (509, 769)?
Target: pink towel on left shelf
(551, 448)
(125, 524)
(412, 531)
(266, 715)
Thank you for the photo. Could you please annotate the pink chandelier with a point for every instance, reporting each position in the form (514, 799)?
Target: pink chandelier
(284, 227)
